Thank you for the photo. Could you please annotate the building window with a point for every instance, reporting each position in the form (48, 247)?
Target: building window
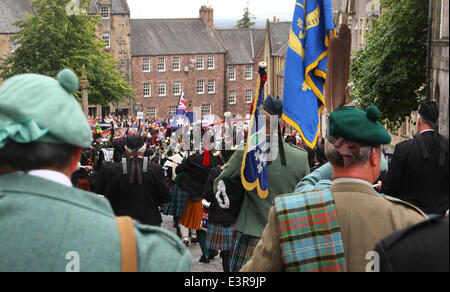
(206, 110)
(211, 86)
(249, 72)
(232, 97)
(107, 39)
(200, 63)
(177, 88)
(200, 87)
(146, 65)
(147, 90)
(151, 113)
(232, 73)
(211, 63)
(105, 12)
(176, 64)
(249, 96)
(172, 111)
(162, 88)
(161, 64)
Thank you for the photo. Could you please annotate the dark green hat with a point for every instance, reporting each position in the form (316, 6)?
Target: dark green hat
(356, 125)
(273, 106)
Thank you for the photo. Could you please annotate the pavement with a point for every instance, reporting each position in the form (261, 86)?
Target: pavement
(215, 265)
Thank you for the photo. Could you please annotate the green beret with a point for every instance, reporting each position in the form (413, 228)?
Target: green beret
(38, 108)
(356, 125)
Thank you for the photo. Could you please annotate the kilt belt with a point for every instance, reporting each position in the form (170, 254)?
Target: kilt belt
(310, 234)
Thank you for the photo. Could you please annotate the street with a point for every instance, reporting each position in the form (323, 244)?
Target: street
(215, 264)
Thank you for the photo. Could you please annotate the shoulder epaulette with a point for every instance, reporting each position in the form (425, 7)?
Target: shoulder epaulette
(405, 204)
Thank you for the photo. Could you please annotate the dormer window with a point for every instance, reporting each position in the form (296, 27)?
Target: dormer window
(105, 12)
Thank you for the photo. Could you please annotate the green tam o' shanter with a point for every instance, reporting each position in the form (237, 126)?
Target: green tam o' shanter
(38, 108)
(356, 125)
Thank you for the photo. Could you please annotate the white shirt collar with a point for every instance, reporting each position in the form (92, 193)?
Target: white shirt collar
(342, 180)
(52, 175)
(428, 130)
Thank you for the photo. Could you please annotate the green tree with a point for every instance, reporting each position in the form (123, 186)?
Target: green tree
(247, 20)
(51, 40)
(390, 72)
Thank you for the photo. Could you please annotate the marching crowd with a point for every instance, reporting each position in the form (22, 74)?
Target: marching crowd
(68, 185)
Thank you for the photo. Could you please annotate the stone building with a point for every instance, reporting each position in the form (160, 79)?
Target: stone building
(11, 12)
(439, 62)
(275, 49)
(115, 29)
(359, 15)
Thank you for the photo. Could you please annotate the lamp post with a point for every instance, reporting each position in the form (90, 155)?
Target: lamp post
(84, 83)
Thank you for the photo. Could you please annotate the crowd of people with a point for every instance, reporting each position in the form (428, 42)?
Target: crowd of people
(68, 185)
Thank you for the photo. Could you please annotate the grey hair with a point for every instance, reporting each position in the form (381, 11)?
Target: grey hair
(140, 150)
(335, 158)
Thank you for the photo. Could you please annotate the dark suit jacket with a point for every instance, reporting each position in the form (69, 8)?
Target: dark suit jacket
(417, 180)
(141, 202)
(419, 248)
(215, 213)
(196, 175)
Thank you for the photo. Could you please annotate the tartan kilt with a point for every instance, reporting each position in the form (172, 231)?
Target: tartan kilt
(219, 237)
(242, 251)
(177, 206)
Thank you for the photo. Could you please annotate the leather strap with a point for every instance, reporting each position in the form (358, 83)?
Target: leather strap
(145, 167)
(124, 166)
(127, 244)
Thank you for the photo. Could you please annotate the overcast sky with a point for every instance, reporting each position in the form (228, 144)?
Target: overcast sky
(223, 9)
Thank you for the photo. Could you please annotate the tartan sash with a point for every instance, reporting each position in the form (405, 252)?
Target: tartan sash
(310, 234)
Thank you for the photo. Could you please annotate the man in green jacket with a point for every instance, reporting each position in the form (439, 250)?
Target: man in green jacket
(254, 211)
(46, 224)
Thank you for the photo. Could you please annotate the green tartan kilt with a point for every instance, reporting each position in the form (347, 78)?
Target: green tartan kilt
(177, 206)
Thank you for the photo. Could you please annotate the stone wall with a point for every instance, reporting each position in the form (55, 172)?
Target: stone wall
(439, 64)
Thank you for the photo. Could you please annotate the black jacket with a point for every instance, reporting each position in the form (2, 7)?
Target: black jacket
(196, 175)
(420, 248)
(141, 202)
(215, 213)
(417, 180)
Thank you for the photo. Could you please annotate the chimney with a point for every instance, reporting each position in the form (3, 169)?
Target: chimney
(207, 13)
(274, 19)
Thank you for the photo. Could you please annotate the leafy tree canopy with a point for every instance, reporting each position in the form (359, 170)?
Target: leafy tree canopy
(390, 72)
(51, 40)
(247, 21)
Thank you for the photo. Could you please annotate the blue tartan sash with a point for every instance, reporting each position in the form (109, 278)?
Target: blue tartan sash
(310, 234)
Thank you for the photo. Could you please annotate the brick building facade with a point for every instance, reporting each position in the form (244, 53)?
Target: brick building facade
(245, 50)
(216, 69)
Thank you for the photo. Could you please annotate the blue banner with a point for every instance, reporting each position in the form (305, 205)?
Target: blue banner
(306, 64)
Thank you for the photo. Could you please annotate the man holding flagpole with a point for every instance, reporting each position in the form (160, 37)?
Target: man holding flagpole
(262, 174)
